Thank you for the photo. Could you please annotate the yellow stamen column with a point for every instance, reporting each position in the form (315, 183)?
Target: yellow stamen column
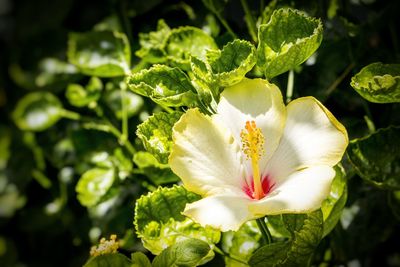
(253, 148)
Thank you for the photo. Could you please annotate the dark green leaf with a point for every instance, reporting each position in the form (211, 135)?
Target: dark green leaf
(37, 111)
(187, 253)
(164, 85)
(376, 157)
(140, 260)
(378, 83)
(156, 134)
(109, 260)
(288, 40)
(307, 231)
(100, 53)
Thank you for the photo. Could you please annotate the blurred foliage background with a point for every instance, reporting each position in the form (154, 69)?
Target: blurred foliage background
(41, 221)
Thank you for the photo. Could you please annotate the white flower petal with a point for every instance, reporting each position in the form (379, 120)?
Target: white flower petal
(303, 191)
(223, 212)
(204, 155)
(312, 136)
(256, 100)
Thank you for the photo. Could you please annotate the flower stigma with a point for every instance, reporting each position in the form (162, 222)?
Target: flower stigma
(253, 148)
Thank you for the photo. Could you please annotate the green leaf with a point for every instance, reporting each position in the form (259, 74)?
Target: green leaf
(158, 173)
(187, 253)
(306, 229)
(288, 40)
(228, 66)
(152, 43)
(80, 96)
(156, 134)
(139, 259)
(100, 53)
(378, 83)
(109, 260)
(376, 158)
(93, 185)
(159, 222)
(185, 42)
(37, 111)
(333, 205)
(133, 102)
(241, 244)
(164, 85)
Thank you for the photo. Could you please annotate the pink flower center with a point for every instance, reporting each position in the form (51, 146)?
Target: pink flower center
(266, 185)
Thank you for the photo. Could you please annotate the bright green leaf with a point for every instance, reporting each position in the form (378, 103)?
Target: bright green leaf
(185, 42)
(140, 260)
(109, 260)
(288, 40)
(152, 43)
(378, 83)
(241, 244)
(156, 134)
(93, 185)
(133, 102)
(164, 85)
(306, 229)
(100, 53)
(80, 96)
(333, 205)
(159, 222)
(187, 253)
(157, 172)
(376, 158)
(37, 111)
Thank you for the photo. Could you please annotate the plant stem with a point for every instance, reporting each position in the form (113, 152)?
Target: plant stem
(339, 79)
(219, 251)
(225, 24)
(70, 115)
(289, 89)
(264, 230)
(251, 25)
(167, 109)
(125, 134)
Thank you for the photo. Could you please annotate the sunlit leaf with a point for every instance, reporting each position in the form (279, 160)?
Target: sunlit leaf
(164, 85)
(159, 222)
(378, 83)
(186, 253)
(100, 53)
(80, 96)
(133, 102)
(187, 41)
(376, 157)
(93, 185)
(37, 111)
(333, 205)
(156, 134)
(288, 40)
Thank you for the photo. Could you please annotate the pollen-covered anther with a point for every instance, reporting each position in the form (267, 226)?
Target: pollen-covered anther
(105, 246)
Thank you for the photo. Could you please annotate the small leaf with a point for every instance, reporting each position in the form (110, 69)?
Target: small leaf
(376, 158)
(80, 96)
(187, 253)
(288, 40)
(159, 222)
(164, 85)
(93, 185)
(156, 134)
(241, 244)
(37, 111)
(100, 53)
(333, 205)
(109, 260)
(152, 43)
(139, 259)
(133, 102)
(306, 229)
(185, 42)
(378, 83)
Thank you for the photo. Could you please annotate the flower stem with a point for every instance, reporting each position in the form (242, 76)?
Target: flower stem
(289, 89)
(264, 230)
(225, 24)
(251, 25)
(124, 135)
(219, 251)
